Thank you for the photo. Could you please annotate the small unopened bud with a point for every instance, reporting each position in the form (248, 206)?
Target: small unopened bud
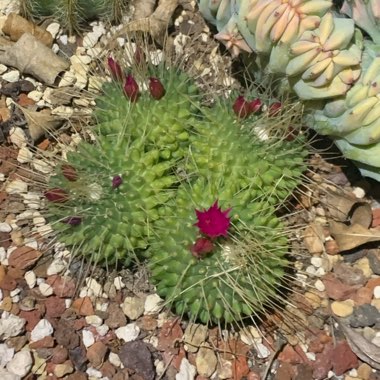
(116, 181)
(156, 88)
(201, 247)
(139, 56)
(131, 88)
(255, 105)
(69, 172)
(73, 220)
(115, 69)
(274, 109)
(291, 134)
(241, 107)
(56, 195)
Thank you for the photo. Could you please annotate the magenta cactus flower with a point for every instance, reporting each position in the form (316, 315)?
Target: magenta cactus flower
(156, 88)
(56, 195)
(213, 222)
(131, 88)
(116, 181)
(115, 69)
(201, 247)
(69, 172)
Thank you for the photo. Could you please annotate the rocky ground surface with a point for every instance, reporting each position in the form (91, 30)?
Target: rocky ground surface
(54, 326)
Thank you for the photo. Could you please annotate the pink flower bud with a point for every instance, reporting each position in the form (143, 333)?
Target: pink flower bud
(69, 172)
(156, 88)
(274, 109)
(241, 107)
(56, 195)
(116, 181)
(115, 69)
(201, 247)
(255, 105)
(131, 88)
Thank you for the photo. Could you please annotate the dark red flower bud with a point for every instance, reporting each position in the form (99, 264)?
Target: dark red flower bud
(115, 69)
(201, 247)
(241, 107)
(255, 105)
(156, 88)
(139, 55)
(131, 88)
(69, 172)
(274, 109)
(291, 134)
(116, 181)
(56, 195)
(73, 220)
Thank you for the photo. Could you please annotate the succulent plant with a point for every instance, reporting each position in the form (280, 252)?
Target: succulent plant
(72, 14)
(219, 259)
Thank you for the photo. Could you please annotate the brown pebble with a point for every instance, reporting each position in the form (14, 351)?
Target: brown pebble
(32, 318)
(55, 307)
(60, 355)
(96, 353)
(362, 296)
(24, 257)
(332, 247)
(62, 286)
(8, 283)
(47, 342)
(372, 283)
(364, 371)
(108, 370)
(6, 304)
(78, 376)
(83, 306)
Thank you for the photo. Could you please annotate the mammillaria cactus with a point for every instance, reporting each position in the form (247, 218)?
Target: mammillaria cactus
(170, 180)
(322, 58)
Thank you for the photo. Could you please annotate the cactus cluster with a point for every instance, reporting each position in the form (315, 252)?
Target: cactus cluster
(322, 57)
(192, 189)
(73, 14)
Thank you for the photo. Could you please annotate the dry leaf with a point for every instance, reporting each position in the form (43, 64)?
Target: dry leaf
(41, 122)
(339, 205)
(349, 237)
(365, 350)
(31, 56)
(362, 215)
(15, 26)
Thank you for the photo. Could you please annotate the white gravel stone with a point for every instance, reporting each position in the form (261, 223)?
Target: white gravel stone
(53, 29)
(94, 286)
(94, 373)
(311, 356)
(114, 359)
(5, 375)
(376, 292)
(3, 69)
(55, 48)
(133, 307)
(153, 304)
(250, 336)
(320, 286)
(42, 329)
(35, 95)
(5, 227)
(24, 155)
(88, 338)
(21, 363)
(39, 221)
(10, 325)
(57, 266)
(90, 39)
(186, 371)
(45, 289)
(63, 111)
(128, 333)
(2, 177)
(17, 137)
(1, 295)
(6, 354)
(30, 279)
(358, 192)
(42, 166)
(68, 79)
(316, 261)
(94, 320)
(11, 76)
(311, 270)
(118, 282)
(262, 351)
(16, 186)
(63, 39)
(102, 330)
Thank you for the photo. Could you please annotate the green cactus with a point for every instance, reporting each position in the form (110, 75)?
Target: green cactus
(159, 158)
(72, 14)
(238, 276)
(322, 58)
